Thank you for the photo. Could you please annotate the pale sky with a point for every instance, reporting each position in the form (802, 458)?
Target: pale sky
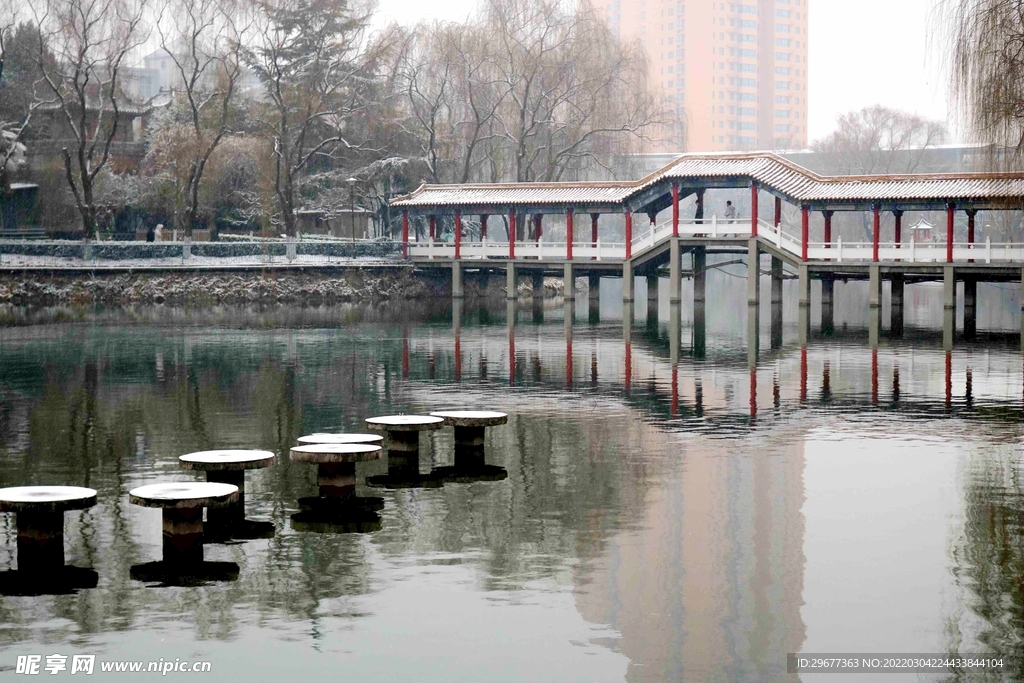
(862, 53)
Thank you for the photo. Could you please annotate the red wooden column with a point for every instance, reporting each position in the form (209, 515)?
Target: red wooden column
(538, 226)
(876, 232)
(593, 233)
(828, 229)
(405, 234)
(458, 233)
(512, 234)
(778, 211)
(971, 213)
(950, 217)
(433, 227)
(483, 227)
(568, 234)
(898, 230)
(805, 230)
(675, 209)
(753, 210)
(629, 234)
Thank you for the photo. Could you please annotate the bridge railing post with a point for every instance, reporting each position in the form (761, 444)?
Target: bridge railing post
(839, 249)
(913, 249)
(540, 247)
(714, 225)
(988, 249)
(598, 245)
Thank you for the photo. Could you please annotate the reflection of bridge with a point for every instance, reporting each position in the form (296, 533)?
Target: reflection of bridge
(522, 207)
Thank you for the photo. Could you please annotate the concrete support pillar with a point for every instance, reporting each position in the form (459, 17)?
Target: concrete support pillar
(970, 307)
(776, 281)
(594, 298)
(804, 311)
(537, 300)
(652, 296)
(828, 288)
(568, 283)
(675, 274)
(753, 273)
(699, 331)
(700, 275)
(457, 289)
(896, 306)
(753, 334)
(874, 287)
(1022, 309)
(511, 282)
(948, 307)
(675, 332)
(776, 303)
(627, 282)
(874, 326)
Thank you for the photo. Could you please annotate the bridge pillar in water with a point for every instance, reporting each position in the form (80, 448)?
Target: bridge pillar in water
(699, 330)
(898, 286)
(776, 303)
(1022, 309)
(675, 273)
(874, 287)
(753, 273)
(568, 282)
(537, 300)
(948, 306)
(700, 276)
(652, 297)
(594, 298)
(627, 282)
(675, 332)
(970, 307)
(804, 312)
(511, 281)
(457, 287)
(828, 295)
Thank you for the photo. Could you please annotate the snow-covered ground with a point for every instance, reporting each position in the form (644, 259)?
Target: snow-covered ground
(196, 262)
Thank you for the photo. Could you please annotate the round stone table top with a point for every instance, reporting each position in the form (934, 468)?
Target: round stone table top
(404, 423)
(334, 453)
(46, 498)
(341, 438)
(184, 494)
(209, 461)
(471, 418)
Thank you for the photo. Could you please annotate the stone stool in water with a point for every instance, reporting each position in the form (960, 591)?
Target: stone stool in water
(182, 504)
(228, 467)
(469, 446)
(403, 449)
(337, 508)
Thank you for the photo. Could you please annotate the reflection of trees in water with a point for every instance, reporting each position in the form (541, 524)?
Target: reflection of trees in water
(989, 556)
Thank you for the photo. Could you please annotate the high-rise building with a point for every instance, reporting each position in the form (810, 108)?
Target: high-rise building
(737, 70)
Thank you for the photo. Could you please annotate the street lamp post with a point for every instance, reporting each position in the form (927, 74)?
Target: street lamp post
(352, 204)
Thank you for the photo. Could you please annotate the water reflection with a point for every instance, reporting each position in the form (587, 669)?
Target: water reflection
(656, 496)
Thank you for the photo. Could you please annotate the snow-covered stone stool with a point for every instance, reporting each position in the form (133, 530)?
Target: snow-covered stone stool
(470, 425)
(337, 508)
(227, 467)
(321, 437)
(39, 516)
(403, 433)
(182, 504)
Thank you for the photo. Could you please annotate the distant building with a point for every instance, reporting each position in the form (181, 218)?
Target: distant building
(752, 91)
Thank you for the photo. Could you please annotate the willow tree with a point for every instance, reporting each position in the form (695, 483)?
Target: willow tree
(987, 38)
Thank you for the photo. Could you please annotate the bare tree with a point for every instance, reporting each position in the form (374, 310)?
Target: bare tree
(17, 107)
(879, 140)
(987, 39)
(91, 39)
(319, 75)
(201, 38)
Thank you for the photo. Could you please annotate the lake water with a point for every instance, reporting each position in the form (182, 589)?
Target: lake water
(656, 524)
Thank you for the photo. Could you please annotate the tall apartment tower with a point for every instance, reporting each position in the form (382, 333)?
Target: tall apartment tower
(736, 69)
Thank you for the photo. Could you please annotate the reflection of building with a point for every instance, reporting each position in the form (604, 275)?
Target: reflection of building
(752, 93)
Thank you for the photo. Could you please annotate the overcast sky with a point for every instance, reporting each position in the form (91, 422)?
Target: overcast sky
(862, 53)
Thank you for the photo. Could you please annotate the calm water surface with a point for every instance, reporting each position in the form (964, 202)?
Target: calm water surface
(656, 524)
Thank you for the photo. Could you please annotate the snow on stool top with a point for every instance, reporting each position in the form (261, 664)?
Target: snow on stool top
(328, 453)
(404, 423)
(471, 418)
(341, 438)
(184, 494)
(46, 498)
(227, 460)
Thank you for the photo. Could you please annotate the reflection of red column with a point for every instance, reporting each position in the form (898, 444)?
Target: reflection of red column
(568, 234)
(405, 354)
(675, 390)
(675, 209)
(511, 359)
(753, 392)
(629, 365)
(874, 377)
(803, 374)
(458, 357)
(949, 380)
(593, 368)
(826, 380)
(512, 234)
(405, 234)
(431, 367)
(568, 362)
(458, 233)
